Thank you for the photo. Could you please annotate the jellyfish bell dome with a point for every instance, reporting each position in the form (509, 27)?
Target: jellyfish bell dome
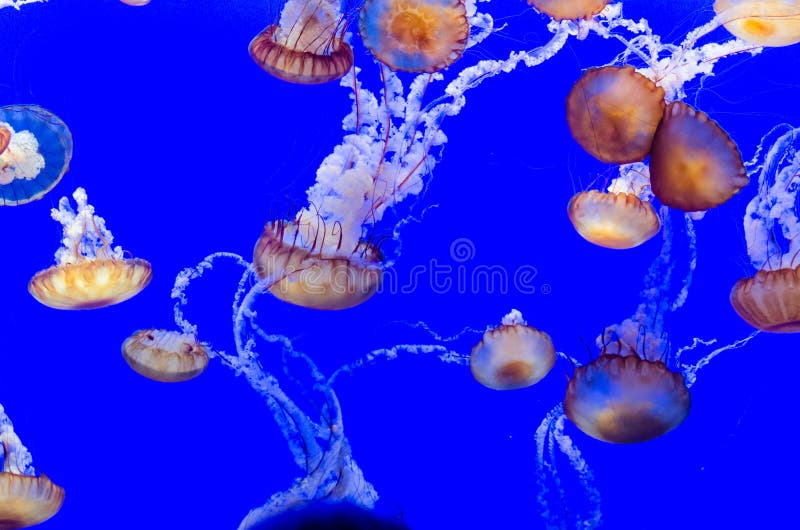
(613, 220)
(762, 22)
(569, 9)
(417, 35)
(626, 399)
(314, 274)
(613, 113)
(306, 46)
(770, 300)
(512, 356)
(27, 500)
(165, 356)
(135, 2)
(38, 149)
(694, 164)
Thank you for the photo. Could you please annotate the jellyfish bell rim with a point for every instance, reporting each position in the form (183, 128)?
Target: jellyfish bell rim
(62, 286)
(40, 496)
(769, 300)
(619, 208)
(157, 363)
(565, 13)
(299, 67)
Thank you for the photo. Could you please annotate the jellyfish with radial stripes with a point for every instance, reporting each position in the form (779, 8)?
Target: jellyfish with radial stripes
(35, 151)
(165, 356)
(761, 22)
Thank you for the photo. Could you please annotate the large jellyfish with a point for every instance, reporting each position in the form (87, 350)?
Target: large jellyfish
(416, 35)
(35, 150)
(569, 9)
(306, 45)
(89, 273)
(26, 498)
(762, 22)
(512, 355)
(165, 356)
(770, 300)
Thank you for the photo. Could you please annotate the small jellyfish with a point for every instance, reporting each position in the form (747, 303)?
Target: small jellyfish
(613, 220)
(623, 397)
(306, 46)
(415, 35)
(770, 300)
(35, 150)
(25, 498)
(88, 273)
(569, 9)
(165, 356)
(135, 2)
(310, 273)
(694, 165)
(613, 113)
(512, 355)
(761, 22)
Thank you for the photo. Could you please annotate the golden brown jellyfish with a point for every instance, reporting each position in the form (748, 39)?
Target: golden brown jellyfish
(88, 273)
(613, 113)
(512, 355)
(415, 35)
(569, 9)
(762, 22)
(36, 148)
(313, 274)
(25, 499)
(306, 45)
(613, 220)
(622, 397)
(770, 300)
(694, 165)
(165, 356)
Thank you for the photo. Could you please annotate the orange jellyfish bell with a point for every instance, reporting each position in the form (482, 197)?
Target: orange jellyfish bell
(165, 356)
(762, 22)
(89, 273)
(315, 276)
(613, 220)
(569, 9)
(306, 45)
(770, 300)
(694, 165)
(613, 113)
(26, 501)
(415, 35)
(512, 355)
(5, 139)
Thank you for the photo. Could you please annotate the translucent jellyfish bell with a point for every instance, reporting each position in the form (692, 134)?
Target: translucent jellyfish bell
(613, 220)
(694, 165)
(569, 9)
(38, 149)
(512, 355)
(770, 300)
(418, 36)
(310, 273)
(306, 46)
(165, 356)
(613, 113)
(762, 22)
(88, 273)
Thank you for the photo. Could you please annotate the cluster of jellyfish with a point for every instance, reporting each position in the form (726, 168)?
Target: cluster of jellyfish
(635, 390)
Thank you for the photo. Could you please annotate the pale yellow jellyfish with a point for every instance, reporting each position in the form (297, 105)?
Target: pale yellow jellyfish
(569, 9)
(307, 272)
(613, 220)
(512, 355)
(762, 22)
(25, 498)
(166, 356)
(88, 273)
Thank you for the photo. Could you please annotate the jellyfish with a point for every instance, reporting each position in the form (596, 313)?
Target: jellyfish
(166, 356)
(135, 2)
(306, 46)
(314, 274)
(89, 273)
(770, 300)
(512, 355)
(569, 9)
(694, 165)
(26, 498)
(761, 22)
(35, 150)
(613, 113)
(416, 35)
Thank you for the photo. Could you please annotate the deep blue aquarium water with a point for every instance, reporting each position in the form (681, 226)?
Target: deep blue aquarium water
(185, 147)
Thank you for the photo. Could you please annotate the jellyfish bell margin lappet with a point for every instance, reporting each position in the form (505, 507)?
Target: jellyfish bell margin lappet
(305, 46)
